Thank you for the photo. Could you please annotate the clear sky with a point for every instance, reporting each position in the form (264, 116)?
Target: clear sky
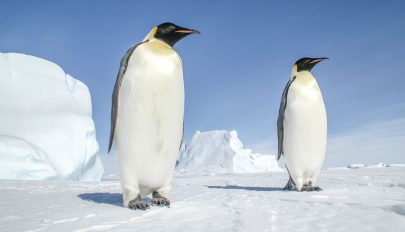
(236, 70)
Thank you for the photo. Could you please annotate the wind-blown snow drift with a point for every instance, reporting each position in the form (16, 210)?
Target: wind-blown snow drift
(46, 127)
(221, 151)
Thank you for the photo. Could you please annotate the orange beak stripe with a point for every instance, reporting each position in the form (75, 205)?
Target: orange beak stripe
(315, 61)
(185, 31)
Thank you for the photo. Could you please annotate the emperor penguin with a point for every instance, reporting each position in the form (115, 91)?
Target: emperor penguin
(147, 116)
(302, 127)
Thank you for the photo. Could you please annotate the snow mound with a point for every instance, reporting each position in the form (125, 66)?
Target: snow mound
(46, 129)
(378, 165)
(354, 166)
(396, 165)
(221, 151)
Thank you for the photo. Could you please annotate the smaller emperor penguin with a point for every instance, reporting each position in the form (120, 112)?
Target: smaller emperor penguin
(302, 127)
(147, 116)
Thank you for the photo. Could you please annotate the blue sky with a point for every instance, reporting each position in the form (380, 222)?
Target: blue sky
(236, 70)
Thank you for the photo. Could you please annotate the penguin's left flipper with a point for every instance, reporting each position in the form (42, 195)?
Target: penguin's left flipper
(159, 200)
(310, 188)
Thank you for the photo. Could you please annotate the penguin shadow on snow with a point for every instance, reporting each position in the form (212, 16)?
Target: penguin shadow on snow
(103, 198)
(108, 198)
(237, 187)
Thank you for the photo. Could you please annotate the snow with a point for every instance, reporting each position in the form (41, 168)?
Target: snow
(378, 165)
(221, 151)
(356, 166)
(46, 131)
(363, 199)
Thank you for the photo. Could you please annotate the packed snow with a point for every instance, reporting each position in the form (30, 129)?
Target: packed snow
(363, 199)
(221, 151)
(46, 130)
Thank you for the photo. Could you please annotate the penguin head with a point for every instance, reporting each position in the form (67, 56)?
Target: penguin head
(170, 33)
(306, 63)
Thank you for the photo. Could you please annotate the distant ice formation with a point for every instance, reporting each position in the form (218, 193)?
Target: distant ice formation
(221, 151)
(378, 165)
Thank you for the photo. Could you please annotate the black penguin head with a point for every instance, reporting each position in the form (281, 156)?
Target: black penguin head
(171, 33)
(306, 63)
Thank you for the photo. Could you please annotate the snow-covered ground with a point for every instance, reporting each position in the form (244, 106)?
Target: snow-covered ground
(361, 199)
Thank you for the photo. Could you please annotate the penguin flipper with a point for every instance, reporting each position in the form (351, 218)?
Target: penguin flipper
(182, 137)
(280, 120)
(120, 76)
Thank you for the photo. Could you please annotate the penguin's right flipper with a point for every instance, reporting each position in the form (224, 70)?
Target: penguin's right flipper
(280, 119)
(117, 86)
(137, 203)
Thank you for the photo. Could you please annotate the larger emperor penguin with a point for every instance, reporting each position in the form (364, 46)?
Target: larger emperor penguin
(147, 116)
(302, 127)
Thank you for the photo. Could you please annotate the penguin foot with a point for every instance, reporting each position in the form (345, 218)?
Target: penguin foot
(310, 188)
(137, 203)
(159, 200)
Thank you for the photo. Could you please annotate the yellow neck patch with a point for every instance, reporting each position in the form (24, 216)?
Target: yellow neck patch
(294, 71)
(151, 34)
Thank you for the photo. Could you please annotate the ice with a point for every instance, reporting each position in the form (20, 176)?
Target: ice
(396, 165)
(46, 130)
(221, 151)
(378, 165)
(356, 166)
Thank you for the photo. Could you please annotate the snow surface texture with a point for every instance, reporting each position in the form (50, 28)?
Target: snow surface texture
(221, 151)
(46, 130)
(363, 199)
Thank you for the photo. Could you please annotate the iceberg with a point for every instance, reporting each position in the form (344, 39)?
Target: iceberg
(221, 152)
(46, 129)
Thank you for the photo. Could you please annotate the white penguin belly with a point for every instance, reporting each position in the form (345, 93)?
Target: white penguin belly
(150, 118)
(305, 130)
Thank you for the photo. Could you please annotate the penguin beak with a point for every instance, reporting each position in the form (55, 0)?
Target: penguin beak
(314, 61)
(187, 31)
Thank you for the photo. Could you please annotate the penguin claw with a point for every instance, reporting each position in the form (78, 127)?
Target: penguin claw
(138, 204)
(290, 186)
(159, 200)
(318, 189)
(309, 188)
